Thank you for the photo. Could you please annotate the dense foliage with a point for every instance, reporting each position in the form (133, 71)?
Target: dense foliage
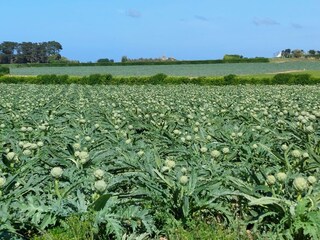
(105, 60)
(299, 53)
(163, 59)
(136, 162)
(232, 57)
(163, 79)
(29, 52)
(4, 70)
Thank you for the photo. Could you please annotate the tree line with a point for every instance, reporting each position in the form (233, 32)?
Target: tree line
(299, 53)
(108, 79)
(29, 52)
(125, 59)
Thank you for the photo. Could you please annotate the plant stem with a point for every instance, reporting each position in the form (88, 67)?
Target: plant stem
(56, 188)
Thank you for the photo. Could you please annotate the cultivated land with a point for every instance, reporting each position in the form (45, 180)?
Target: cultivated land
(192, 70)
(141, 162)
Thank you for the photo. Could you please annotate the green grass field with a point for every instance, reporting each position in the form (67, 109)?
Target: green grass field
(192, 70)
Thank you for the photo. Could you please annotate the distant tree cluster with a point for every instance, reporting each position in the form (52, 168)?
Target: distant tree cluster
(125, 59)
(299, 53)
(29, 52)
(232, 57)
(105, 60)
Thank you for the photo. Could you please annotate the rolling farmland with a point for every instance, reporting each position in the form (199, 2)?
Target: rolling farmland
(176, 70)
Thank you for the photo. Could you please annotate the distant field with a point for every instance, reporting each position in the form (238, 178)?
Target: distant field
(178, 70)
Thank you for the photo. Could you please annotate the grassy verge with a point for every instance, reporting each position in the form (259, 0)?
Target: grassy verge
(75, 228)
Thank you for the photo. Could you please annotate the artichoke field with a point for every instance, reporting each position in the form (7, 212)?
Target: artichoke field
(138, 159)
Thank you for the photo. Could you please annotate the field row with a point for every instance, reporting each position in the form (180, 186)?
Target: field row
(176, 70)
(137, 162)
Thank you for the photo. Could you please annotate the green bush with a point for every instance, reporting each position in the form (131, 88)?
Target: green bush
(52, 79)
(158, 78)
(266, 81)
(230, 79)
(98, 79)
(281, 78)
(4, 70)
(288, 78)
(302, 79)
(17, 79)
(232, 57)
(176, 80)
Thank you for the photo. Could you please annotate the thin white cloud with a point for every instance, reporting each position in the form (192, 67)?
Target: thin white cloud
(133, 13)
(265, 22)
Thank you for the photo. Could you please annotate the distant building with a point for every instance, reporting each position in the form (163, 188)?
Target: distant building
(279, 54)
(164, 58)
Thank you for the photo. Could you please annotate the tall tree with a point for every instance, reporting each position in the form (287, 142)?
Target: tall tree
(53, 48)
(297, 53)
(286, 53)
(29, 52)
(124, 59)
(7, 49)
(312, 52)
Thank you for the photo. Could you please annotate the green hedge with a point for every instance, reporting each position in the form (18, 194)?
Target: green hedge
(108, 79)
(96, 79)
(286, 78)
(4, 70)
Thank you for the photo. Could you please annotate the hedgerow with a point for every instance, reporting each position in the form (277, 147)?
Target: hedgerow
(162, 79)
(4, 70)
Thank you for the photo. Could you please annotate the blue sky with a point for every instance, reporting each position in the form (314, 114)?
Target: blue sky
(184, 29)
